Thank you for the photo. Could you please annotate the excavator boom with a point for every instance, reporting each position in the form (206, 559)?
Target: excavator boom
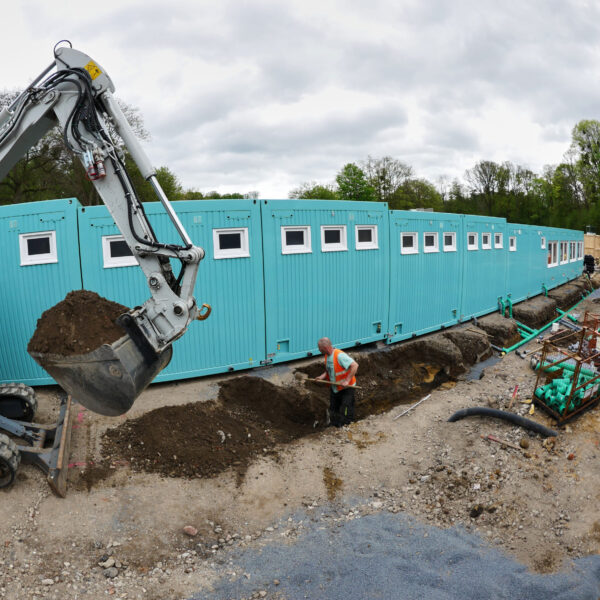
(75, 94)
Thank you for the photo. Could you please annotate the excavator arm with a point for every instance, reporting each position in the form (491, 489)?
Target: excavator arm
(75, 94)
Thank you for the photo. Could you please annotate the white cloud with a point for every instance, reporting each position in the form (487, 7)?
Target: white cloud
(265, 95)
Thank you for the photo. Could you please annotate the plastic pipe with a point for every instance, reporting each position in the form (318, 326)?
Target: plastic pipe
(484, 411)
(545, 289)
(562, 313)
(524, 327)
(566, 367)
(502, 306)
(536, 333)
(510, 306)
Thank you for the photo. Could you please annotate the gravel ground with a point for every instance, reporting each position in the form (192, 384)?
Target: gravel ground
(352, 555)
(122, 535)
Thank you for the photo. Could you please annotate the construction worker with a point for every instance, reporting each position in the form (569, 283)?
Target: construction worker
(339, 367)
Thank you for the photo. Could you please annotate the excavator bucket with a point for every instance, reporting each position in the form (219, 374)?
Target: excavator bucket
(109, 379)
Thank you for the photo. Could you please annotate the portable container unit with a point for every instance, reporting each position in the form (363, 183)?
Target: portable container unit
(230, 279)
(484, 246)
(40, 265)
(564, 258)
(526, 262)
(326, 269)
(426, 262)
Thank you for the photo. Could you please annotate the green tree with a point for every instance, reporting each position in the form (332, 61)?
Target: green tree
(353, 185)
(416, 193)
(314, 191)
(385, 175)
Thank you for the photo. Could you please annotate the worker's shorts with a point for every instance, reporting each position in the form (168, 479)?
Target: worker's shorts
(341, 407)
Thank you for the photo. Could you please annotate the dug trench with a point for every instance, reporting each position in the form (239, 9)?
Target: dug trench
(254, 417)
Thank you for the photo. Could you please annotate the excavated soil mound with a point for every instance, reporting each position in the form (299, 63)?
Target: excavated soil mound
(204, 439)
(80, 323)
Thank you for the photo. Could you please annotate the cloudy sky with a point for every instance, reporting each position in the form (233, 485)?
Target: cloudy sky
(265, 95)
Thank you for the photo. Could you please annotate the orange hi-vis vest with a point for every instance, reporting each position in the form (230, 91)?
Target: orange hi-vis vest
(340, 372)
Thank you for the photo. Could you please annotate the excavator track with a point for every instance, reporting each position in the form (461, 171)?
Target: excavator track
(10, 458)
(17, 401)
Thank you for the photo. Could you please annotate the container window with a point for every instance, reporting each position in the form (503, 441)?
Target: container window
(450, 241)
(543, 243)
(512, 243)
(231, 243)
(116, 252)
(409, 243)
(486, 241)
(472, 243)
(38, 248)
(366, 237)
(564, 253)
(498, 240)
(431, 242)
(579, 250)
(333, 238)
(573, 251)
(552, 254)
(296, 240)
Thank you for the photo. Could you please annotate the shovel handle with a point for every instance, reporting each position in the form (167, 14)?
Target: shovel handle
(326, 382)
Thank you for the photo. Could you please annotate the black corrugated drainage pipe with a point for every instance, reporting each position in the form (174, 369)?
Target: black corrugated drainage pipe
(483, 411)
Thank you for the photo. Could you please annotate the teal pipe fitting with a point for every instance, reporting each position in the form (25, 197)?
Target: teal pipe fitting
(524, 327)
(545, 289)
(510, 306)
(502, 306)
(537, 332)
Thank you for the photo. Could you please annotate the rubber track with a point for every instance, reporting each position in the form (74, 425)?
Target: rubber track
(9, 456)
(25, 393)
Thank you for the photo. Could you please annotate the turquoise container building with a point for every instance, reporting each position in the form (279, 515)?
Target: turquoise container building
(280, 274)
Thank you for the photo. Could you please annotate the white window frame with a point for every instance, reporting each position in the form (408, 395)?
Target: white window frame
(242, 252)
(474, 246)
(451, 247)
(436, 246)
(498, 244)
(305, 248)
(111, 262)
(553, 253)
(543, 243)
(37, 259)
(342, 246)
(415, 237)
(564, 261)
(512, 243)
(572, 251)
(373, 244)
(484, 245)
(579, 250)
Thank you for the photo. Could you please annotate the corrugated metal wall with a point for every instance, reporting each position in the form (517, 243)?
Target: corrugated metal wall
(28, 290)
(483, 271)
(340, 294)
(233, 337)
(425, 282)
(274, 301)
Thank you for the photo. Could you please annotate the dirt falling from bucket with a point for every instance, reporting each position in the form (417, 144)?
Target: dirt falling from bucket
(80, 323)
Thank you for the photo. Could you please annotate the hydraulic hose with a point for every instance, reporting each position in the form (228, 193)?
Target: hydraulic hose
(506, 416)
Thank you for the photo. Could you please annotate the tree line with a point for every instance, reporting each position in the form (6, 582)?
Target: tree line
(563, 195)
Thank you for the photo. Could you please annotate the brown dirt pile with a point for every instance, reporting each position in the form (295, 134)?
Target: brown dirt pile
(205, 439)
(80, 323)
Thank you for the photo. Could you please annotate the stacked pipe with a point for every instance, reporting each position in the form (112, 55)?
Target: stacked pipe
(557, 392)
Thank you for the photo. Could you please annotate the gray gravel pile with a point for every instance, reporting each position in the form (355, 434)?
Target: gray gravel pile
(386, 555)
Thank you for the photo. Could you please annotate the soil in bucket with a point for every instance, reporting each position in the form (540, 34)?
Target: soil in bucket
(79, 324)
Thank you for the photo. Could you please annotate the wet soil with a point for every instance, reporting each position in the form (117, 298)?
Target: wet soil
(80, 323)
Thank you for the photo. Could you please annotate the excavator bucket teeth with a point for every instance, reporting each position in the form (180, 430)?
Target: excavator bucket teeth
(109, 379)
